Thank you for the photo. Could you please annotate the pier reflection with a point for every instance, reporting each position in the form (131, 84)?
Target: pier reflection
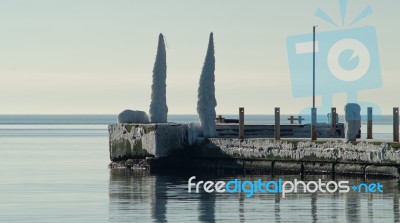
(370, 208)
(277, 208)
(241, 207)
(335, 208)
(126, 193)
(314, 207)
(207, 207)
(353, 207)
(131, 191)
(136, 196)
(396, 206)
(158, 199)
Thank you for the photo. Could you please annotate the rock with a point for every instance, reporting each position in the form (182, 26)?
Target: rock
(352, 121)
(131, 116)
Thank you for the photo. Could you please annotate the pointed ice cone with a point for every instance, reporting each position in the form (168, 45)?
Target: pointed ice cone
(158, 105)
(206, 102)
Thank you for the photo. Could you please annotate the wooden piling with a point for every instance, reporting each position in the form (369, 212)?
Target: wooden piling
(333, 122)
(241, 123)
(364, 168)
(300, 119)
(313, 123)
(369, 123)
(396, 124)
(291, 119)
(272, 168)
(277, 129)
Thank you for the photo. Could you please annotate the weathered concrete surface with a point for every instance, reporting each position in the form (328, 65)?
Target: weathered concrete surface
(180, 147)
(288, 156)
(308, 150)
(143, 140)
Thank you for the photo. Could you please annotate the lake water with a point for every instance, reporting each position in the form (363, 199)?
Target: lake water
(54, 169)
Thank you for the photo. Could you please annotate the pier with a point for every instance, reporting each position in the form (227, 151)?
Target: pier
(252, 149)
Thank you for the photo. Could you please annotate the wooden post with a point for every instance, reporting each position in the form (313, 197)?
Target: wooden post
(291, 119)
(369, 123)
(300, 119)
(313, 123)
(241, 123)
(396, 124)
(219, 119)
(365, 172)
(333, 122)
(272, 168)
(277, 129)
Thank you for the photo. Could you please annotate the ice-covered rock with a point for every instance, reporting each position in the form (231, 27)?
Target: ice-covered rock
(132, 116)
(130, 141)
(352, 121)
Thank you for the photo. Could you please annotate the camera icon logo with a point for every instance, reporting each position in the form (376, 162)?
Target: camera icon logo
(347, 61)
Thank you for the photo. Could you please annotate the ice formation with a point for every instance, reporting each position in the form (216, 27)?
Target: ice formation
(132, 116)
(353, 121)
(158, 105)
(206, 102)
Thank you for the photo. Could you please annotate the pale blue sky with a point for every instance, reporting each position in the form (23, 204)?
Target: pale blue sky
(96, 57)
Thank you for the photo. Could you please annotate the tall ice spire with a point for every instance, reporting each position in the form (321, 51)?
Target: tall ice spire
(206, 102)
(158, 105)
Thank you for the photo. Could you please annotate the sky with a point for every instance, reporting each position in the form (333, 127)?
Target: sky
(97, 56)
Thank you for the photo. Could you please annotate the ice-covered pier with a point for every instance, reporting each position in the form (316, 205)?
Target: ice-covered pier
(178, 147)
(149, 141)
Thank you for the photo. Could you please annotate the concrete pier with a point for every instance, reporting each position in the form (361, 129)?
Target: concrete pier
(163, 147)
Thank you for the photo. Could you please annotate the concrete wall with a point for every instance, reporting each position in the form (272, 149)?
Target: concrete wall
(128, 141)
(308, 150)
(143, 140)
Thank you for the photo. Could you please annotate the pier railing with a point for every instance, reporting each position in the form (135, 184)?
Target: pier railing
(333, 124)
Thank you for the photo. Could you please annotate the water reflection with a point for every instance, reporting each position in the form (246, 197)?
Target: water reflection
(314, 207)
(370, 208)
(277, 208)
(158, 194)
(396, 207)
(241, 207)
(207, 207)
(139, 197)
(352, 208)
(128, 193)
(335, 209)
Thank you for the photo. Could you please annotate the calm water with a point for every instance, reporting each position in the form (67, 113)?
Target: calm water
(54, 169)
